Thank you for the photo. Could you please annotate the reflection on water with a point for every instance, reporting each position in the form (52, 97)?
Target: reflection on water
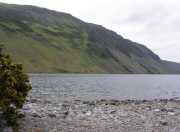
(58, 87)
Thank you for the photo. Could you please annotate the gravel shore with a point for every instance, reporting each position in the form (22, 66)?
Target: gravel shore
(101, 116)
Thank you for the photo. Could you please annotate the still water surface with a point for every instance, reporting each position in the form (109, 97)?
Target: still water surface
(58, 87)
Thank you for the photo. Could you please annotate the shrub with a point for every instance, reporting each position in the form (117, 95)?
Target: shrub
(14, 88)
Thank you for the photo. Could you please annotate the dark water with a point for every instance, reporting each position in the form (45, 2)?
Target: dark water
(58, 87)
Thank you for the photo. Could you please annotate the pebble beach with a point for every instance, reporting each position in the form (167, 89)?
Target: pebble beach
(101, 116)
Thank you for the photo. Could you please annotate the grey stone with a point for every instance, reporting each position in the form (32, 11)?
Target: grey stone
(9, 129)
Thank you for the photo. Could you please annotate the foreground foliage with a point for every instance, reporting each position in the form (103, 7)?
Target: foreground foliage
(14, 87)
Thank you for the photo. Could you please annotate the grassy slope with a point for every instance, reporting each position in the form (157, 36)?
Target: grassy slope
(60, 49)
(49, 41)
(44, 49)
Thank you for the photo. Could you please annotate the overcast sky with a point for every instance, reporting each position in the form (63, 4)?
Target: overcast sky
(154, 23)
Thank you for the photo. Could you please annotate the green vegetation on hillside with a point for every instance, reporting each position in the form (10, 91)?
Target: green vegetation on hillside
(49, 41)
(49, 49)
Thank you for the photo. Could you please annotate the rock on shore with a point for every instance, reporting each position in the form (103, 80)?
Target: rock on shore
(101, 116)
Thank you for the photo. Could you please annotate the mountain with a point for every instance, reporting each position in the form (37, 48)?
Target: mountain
(49, 41)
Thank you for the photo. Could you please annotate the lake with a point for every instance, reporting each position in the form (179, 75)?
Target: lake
(61, 87)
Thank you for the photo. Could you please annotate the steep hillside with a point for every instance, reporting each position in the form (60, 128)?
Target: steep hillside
(172, 67)
(49, 41)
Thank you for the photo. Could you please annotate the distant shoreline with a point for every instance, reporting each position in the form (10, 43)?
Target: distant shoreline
(98, 73)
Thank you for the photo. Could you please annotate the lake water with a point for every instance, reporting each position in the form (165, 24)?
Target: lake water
(58, 87)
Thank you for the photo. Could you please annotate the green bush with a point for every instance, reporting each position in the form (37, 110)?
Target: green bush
(14, 88)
